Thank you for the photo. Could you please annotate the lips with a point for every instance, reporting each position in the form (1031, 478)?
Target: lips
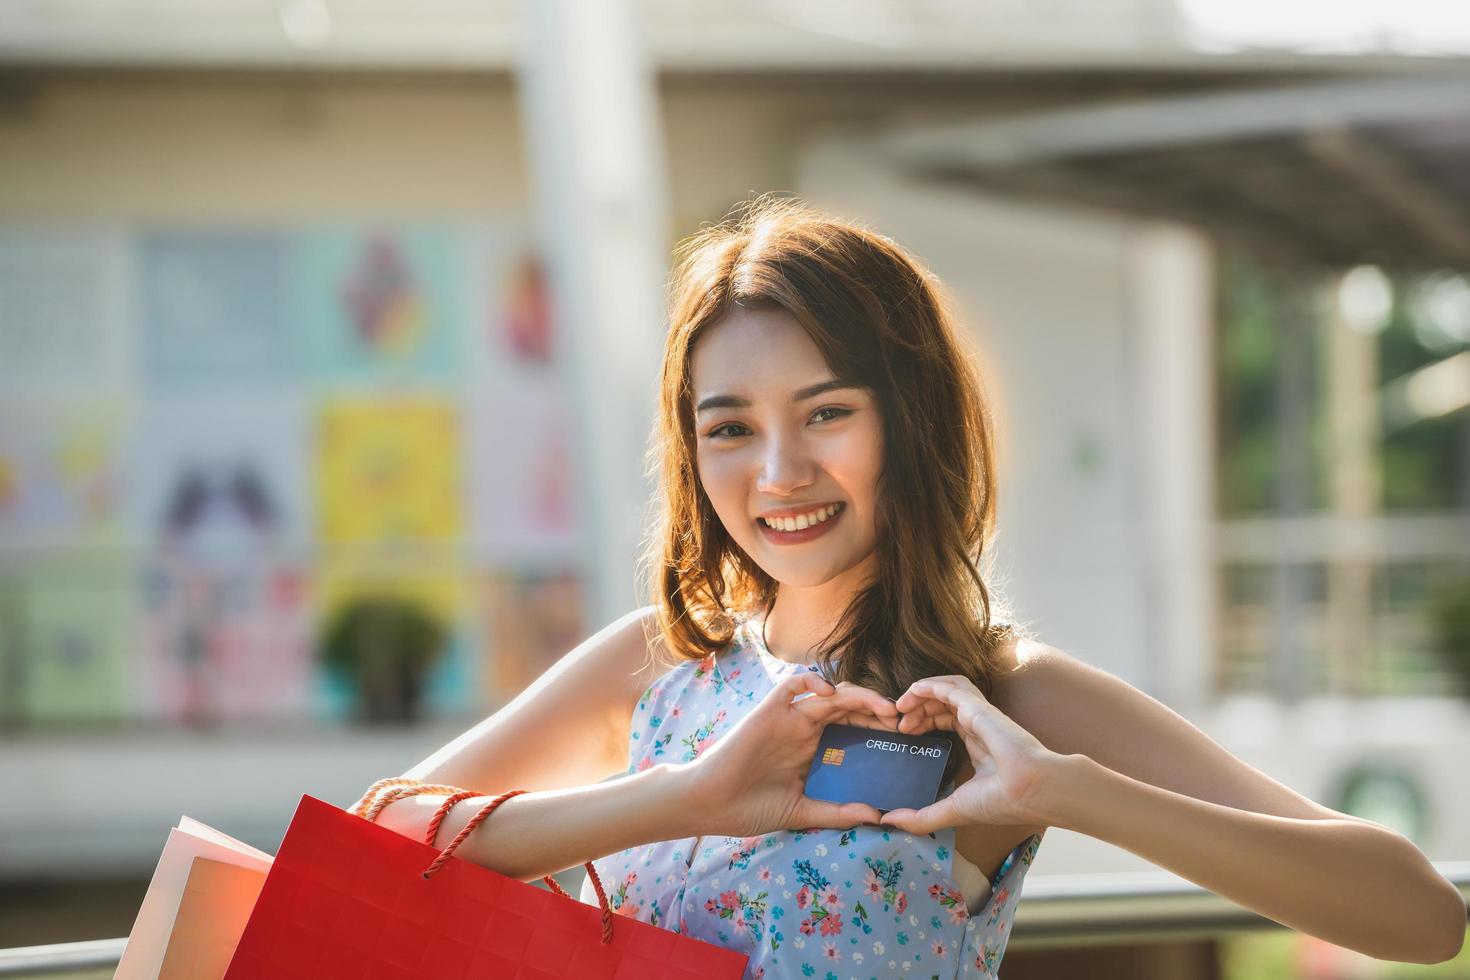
(799, 535)
(797, 519)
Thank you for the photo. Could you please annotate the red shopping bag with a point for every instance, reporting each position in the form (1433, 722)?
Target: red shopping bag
(347, 898)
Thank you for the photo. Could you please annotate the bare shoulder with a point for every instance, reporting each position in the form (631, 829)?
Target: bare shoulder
(1012, 657)
(1056, 696)
(631, 654)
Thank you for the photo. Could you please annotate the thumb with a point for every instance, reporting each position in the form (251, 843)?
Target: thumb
(832, 816)
(934, 817)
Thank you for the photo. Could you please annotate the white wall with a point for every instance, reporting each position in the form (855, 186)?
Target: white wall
(1046, 294)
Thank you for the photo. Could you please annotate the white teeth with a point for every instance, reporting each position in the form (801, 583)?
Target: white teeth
(801, 521)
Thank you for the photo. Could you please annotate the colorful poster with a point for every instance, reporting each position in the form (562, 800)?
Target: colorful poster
(61, 472)
(388, 470)
(76, 638)
(223, 474)
(523, 325)
(530, 621)
(507, 297)
(220, 489)
(522, 492)
(214, 308)
(226, 640)
(380, 304)
(63, 301)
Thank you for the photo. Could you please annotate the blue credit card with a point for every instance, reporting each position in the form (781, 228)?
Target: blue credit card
(885, 769)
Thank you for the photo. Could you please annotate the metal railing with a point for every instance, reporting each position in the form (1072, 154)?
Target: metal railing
(1056, 911)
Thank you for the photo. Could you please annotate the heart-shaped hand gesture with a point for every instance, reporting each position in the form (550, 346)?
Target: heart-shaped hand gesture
(1011, 767)
(751, 781)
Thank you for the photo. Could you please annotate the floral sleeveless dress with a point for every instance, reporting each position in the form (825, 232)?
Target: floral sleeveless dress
(863, 903)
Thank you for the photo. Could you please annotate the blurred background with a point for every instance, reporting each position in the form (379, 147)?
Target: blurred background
(329, 336)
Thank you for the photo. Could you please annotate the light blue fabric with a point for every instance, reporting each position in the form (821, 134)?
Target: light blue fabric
(864, 903)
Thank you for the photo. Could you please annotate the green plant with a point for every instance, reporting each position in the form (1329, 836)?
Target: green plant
(1451, 613)
(384, 646)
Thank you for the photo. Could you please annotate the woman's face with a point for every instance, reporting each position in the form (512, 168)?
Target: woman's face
(788, 455)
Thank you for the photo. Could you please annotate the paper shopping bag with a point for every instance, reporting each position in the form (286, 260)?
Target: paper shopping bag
(212, 913)
(347, 898)
(154, 929)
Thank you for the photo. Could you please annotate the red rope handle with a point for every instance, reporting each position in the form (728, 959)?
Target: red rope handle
(439, 814)
(411, 787)
(375, 799)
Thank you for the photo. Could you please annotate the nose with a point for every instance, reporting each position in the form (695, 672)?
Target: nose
(786, 466)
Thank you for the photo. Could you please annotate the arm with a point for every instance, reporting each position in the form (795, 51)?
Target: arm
(569, 727)
(567, 730)
(572, 724)
(1348, 881)
(1078, 748)
(540, 833)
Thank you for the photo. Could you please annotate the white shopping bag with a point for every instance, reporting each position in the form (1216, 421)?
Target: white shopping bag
(210, 900)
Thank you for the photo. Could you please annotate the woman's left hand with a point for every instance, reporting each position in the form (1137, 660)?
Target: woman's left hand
(1012, 768)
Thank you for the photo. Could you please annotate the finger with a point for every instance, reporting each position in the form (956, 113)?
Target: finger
(931, 818)
(856, 705)
(928, 716)
(821, 711)
(851, 704)
(971, 709)
(857, 695)
(847, 696)
(833, 816)
(806, 683)
(914, 694)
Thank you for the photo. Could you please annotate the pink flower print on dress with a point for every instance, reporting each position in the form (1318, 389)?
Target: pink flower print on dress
(953, 900)
(702, 738)
(707, 675)
(989, 957)
(619, 898)
(740, 860)
(997, 905)
(743, 914)
(823, 898)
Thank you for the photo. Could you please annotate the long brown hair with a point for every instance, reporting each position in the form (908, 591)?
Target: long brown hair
(879, 320)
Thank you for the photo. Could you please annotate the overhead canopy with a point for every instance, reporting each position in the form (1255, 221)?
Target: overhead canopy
(1328, 174)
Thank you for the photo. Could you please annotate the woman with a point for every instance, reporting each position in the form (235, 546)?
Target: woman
(828, 491)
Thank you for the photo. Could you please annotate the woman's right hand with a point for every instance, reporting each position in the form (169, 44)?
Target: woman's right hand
(750, 782)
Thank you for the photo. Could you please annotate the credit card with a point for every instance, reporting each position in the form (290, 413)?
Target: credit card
(886, 769)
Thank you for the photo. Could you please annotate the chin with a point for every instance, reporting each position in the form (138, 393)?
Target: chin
(807, 578)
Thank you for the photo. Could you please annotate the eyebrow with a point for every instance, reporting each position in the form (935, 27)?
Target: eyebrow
(801, 395)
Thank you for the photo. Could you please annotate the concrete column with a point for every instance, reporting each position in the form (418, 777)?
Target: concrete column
(1352, 406)
(1173, 273)
(589, 107)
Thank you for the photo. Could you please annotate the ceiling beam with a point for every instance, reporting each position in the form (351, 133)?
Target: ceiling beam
(1379, 175)
(991, 144)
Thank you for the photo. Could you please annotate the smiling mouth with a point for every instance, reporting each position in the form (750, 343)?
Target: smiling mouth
(802, 522)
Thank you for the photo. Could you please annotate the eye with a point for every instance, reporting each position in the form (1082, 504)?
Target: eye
(839, 412)
(718, 432)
